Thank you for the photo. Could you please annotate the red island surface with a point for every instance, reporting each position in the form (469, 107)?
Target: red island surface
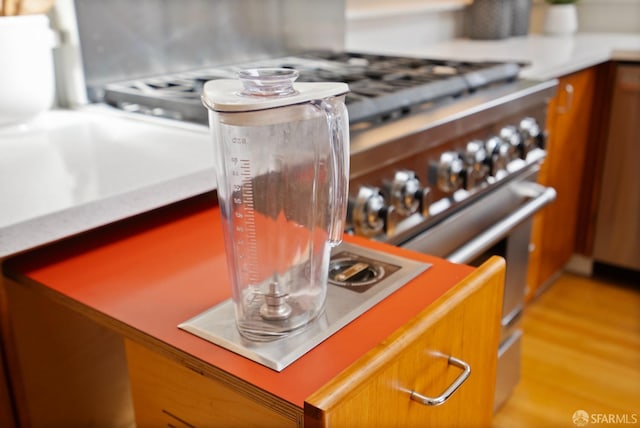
(143, 276)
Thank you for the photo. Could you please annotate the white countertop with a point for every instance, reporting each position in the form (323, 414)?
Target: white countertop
(548, 56)
(70, 171)
(74, 170)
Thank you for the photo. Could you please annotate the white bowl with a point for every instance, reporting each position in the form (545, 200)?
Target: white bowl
(26, 75)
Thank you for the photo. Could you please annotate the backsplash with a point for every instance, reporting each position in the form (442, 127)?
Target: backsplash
(121, 39)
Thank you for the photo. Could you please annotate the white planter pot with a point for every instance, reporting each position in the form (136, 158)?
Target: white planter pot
(561, 19)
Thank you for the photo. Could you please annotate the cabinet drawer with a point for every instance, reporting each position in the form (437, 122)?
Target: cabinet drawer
(377, 389)
(167, 394)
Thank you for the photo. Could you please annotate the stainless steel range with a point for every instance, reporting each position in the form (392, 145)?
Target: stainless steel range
(444, 154)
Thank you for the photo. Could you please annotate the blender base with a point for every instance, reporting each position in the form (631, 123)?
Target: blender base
(343, 305)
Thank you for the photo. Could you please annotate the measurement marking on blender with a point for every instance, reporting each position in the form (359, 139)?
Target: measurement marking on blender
(249, 220)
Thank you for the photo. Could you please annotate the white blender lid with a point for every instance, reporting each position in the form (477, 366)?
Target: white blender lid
(226, 95)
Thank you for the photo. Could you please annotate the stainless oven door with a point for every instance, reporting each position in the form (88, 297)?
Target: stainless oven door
(498, 224)
(465, 235)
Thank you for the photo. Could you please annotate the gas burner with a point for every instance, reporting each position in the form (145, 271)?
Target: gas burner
(382, 87)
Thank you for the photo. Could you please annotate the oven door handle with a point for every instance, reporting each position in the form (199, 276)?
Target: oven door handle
(495, 233)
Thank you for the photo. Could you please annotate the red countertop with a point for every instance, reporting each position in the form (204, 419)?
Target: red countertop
(144, 276)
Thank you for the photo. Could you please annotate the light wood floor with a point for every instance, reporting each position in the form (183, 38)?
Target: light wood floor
(581, 351)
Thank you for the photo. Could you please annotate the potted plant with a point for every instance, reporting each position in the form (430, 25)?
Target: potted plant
(561, 17)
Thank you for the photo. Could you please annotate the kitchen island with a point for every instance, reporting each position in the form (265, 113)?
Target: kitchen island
(79, 303)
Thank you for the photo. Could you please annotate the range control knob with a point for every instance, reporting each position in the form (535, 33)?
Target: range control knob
(368, 211)
(498, 153)
(404, 192)
(448, 173)
(424, 198)
(532, 135)
(511, 136)
(475, 158)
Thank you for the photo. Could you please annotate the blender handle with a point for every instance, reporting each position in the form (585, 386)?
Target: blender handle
(338, 124)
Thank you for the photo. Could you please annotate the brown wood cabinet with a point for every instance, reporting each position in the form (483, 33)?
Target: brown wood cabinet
(557, 228)
(374, 391)
(617, 224)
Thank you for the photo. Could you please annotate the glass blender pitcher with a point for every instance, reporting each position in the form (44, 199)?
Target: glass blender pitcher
(282, 164)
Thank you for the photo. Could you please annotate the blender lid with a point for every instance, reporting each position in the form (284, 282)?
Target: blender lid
(226, 95)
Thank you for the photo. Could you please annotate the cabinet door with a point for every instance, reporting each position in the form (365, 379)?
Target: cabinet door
(555, 228)
(377, 389)
(70, 371)
(618, 225)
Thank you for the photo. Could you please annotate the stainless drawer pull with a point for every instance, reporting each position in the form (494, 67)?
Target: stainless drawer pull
(498, 231)
(440, 399)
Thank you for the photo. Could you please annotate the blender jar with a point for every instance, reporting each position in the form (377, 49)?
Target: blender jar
(282, 166)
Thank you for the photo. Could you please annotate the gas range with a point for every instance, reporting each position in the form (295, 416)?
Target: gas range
(382, 87)
(410, 174)
(428, 136)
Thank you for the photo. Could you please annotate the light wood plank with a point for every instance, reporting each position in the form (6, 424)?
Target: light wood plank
(581, 350)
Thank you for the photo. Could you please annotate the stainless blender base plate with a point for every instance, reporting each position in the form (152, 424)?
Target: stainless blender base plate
(343, 305)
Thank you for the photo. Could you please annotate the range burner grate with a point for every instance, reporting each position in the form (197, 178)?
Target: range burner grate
(381, 86)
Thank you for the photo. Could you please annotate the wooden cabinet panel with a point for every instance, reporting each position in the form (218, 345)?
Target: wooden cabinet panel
(7, 418)
(556, 227)
(618, 225)
(168, 394)
(72, 371)
(375, 391)
(6, 404)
